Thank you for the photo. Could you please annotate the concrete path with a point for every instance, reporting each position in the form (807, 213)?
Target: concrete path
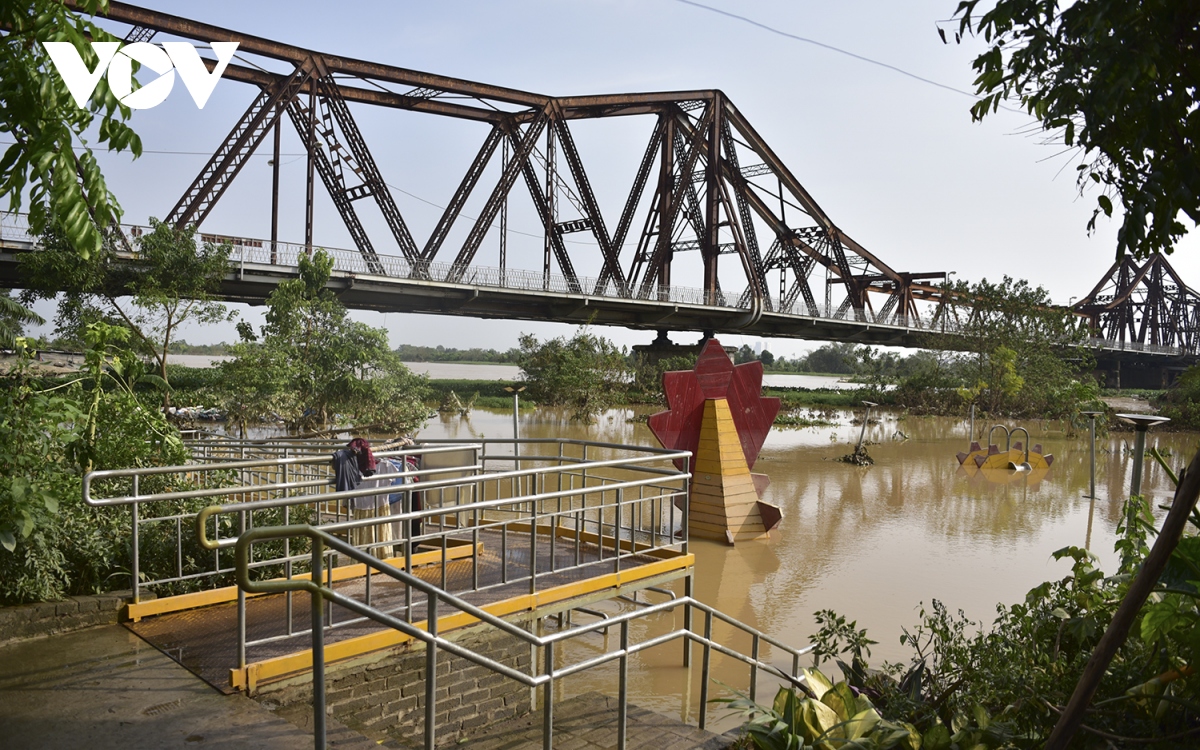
(106, 688)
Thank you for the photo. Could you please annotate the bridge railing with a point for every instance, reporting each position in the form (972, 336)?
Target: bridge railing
(248, 252)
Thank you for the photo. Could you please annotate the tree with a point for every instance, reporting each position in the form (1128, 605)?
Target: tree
(173, 281)
(311, 364)
(836, 359)
(50, 156)
(1117, 80)
(585, 373)
(767, 358)
(1025, 355)
(13, 318)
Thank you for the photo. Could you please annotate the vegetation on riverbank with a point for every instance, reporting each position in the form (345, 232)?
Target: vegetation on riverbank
(970, 685)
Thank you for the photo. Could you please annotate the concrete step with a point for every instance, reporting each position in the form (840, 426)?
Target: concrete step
(106, 689)
(589, 722)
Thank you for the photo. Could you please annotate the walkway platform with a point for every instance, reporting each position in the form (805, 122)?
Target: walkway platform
(204, 640)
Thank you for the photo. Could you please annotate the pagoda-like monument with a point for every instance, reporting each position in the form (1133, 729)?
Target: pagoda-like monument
(718, 413)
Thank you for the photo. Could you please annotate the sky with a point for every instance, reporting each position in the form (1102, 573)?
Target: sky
(896, 162)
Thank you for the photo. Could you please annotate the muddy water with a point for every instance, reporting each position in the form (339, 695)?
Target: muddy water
(871, 543)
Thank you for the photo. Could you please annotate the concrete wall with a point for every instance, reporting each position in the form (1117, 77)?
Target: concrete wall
(383, 695)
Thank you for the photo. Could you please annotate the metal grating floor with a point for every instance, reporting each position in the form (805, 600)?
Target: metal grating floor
(204, 640)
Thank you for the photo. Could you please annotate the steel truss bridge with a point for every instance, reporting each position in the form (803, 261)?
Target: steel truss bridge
(708, 187)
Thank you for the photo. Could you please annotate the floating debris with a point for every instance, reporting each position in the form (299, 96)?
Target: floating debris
(859, 457)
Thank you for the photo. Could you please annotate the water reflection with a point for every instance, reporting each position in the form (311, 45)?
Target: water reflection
(871, 543)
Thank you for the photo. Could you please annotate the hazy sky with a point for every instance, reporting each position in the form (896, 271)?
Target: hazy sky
(895, 162)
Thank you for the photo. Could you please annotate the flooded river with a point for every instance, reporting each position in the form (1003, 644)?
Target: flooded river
(871, 543)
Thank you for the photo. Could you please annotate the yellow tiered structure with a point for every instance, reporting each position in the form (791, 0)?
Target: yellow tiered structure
(724, 504)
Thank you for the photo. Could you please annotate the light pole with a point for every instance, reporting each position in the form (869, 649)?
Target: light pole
(516, 406)
(863, 433)
(1091, 415)
(946, 299)
(1141, 422)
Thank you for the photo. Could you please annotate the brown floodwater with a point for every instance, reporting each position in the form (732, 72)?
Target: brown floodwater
(871, 543)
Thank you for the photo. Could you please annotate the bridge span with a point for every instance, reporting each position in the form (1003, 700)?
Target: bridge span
(710, 203)
(396, 284)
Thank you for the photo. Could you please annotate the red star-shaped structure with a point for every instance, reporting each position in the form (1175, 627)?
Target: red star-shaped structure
(715, 376)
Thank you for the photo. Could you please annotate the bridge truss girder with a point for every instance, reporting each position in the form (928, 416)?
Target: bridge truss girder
(1147, 305)
(719, 185)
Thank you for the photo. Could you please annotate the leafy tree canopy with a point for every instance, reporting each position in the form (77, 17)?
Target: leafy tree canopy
(1116, 79)
(50, 156)
(585, 373)
(172, 281)
(311, 365)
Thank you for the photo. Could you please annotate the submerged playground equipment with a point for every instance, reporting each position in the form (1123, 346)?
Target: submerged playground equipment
(718, 413)
(1016, 459)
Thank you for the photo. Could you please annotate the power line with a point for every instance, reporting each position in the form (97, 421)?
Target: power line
(831, 48)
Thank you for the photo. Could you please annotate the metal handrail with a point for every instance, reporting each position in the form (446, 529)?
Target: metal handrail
(433, 641)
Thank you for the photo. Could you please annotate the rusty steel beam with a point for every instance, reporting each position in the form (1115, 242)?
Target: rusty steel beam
(377, 97)
(522, 149)
(204, 192)
(249, 43)
(612, 264)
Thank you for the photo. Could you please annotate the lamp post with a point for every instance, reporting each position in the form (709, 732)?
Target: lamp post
(1091, 415)
(1141, 422)
(946, 298)
(516, 405)
(1087, 540)
(863, 433)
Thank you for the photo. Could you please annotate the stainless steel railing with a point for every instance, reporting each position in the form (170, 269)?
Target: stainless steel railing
(615, 501)
(543, 671)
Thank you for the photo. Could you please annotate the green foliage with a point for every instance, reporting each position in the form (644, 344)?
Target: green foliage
(585, 373)
(13, 317)
(439, 353)
(1114, 80)
(824, 717)
(35, 427)
(1181, 403)
(837, 359)
(1024, 357)
(172, 281)
(311, 365)
(51, 158)
(53, 544)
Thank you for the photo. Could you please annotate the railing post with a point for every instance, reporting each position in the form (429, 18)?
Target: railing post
(318, 648)
(688, 591)
(135, 572)
(704, 668)
(431, 620)
(241, 603)
(548, 700)
(533, 546)
(754, 670)
(623, 690)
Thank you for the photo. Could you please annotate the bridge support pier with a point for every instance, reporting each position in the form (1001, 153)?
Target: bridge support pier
(1115, 373)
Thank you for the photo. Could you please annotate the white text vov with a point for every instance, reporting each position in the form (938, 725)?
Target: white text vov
(117, 62)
